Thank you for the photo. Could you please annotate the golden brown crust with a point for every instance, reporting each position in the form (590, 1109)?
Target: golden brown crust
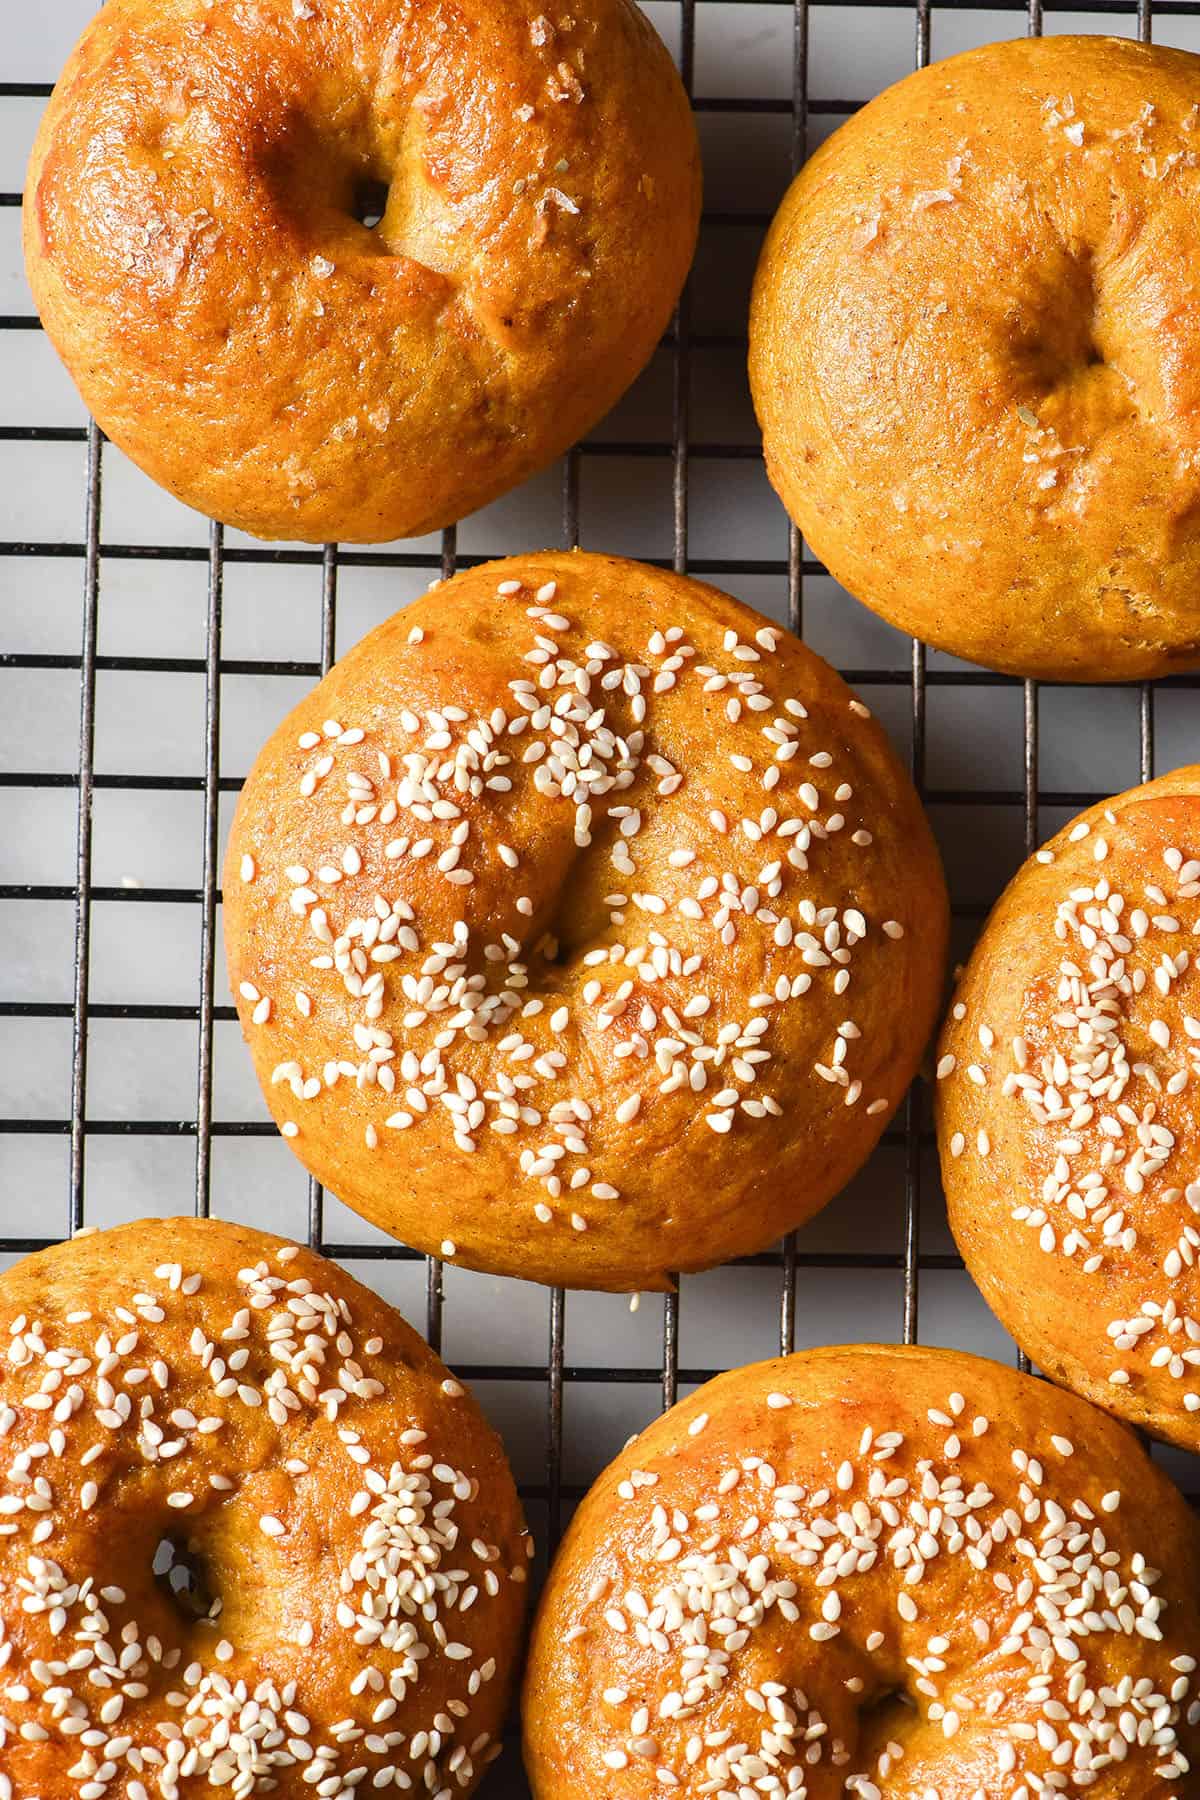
(608, 1044)
(975, 354)
(875, 1570)
(1077, 1209)
(350, 1509)
(194, 251)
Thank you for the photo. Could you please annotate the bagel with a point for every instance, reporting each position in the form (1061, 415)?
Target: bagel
(871, 1571)
(1069, 1107)
(975, 356)
(200, 245)
(583, 925)
(340, 1551)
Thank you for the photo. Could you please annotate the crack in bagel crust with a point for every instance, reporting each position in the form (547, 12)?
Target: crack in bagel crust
(196, 244)
(882, 1572)
(355, 1516)
(1069, 1118)
(568, 879)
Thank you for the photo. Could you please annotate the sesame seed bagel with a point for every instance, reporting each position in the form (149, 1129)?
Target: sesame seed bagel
(975, 356)
(1069, 1107)
(583, 925)
(341, 1554)
(200, 245)
(878, 1571)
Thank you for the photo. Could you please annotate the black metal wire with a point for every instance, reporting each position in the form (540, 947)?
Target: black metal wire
(1032, 712)
(557, 1321)
(909, 1134)
(83, 837)
(681, 452)
(435, 1281)
(210, 866)
(914, 1103)
(795, 568)
(329, 578)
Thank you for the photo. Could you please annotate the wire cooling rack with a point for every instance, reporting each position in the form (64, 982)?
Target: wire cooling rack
(144, 656)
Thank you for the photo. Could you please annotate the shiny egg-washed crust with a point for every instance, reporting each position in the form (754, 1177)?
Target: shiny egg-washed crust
(1075, 1202)
(778, 1590)
(975, 355)
(669, 1061)
(342, 1498)
(194, 245)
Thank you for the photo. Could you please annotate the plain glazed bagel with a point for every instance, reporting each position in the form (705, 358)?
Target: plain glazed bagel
(1069, 1107)
(232, 1410)
(883, 1572)
(975, 356)
(198, 242)
(583, 925)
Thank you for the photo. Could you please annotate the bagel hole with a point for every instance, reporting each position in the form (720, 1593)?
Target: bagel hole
(182, 1573)
(1056, 364)
(370, 202)
(886, 1715)
(1057, 323)
(886, 1703)
(549, 948)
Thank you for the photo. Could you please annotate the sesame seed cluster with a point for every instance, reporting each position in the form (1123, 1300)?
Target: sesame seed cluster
(1069, 1117)
(192, 1399)
(575, 879)
(875, 1571)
